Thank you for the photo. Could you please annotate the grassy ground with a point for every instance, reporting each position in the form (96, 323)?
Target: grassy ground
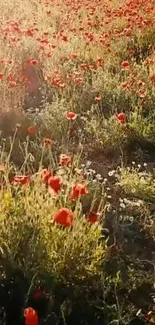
(77, 152)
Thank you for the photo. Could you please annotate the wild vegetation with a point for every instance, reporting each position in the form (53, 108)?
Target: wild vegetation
(77, 152)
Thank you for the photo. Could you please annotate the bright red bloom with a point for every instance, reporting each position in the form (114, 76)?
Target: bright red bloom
(12, 83)
(124, 85)
(64, 217)
(46, 174)
(93, 217)
(150, 61)
(131, 52)
(125, 64)
(121, 117)
(84, 66)
(71, 116)
(73, 56)
(22, 180)
(64, 38)
(92, 67)
(140, 83)
(1, 75)
(142, 93)
(152, 78)
(29, 32)
(55, 183)
(10, 61)
(150, 46)
(31, 317)
(78, 190)
(65, 160)
(128, 32)
(100, 63)
(97, 99)
(31, 130)
(38, 294)
(149, 315)
(33, 61)
(78, 80)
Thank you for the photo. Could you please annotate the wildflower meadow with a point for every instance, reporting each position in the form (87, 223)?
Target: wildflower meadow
(77, 162)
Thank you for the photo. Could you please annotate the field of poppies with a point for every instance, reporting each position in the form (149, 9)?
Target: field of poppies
(77, 162)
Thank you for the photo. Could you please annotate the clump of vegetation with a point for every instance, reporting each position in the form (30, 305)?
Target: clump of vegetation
(77, 149)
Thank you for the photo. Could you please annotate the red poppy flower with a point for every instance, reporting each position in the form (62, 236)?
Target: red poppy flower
(31, 317)
(73, 56)
(93, 217)
(131, 52)
(71, 116)
(142, 93)
(84, 66)
(29, 32)
(22, 180)
(150, 46)
(97, 99)
(64, 217)
(78, 190)
(125, 64)
(140, 83)
(78, 80)
(32, 61)
(152, 78)
(149, 315)
(31, 130)
(121, 117)
(64, 38)
(100, 63)
(150, 61)
(92, 67)
(12, 83)
(124, 85)
(113, 250)
(47, 142)
(38, 294)
(65, 160)
(55, 183)
(46, 174)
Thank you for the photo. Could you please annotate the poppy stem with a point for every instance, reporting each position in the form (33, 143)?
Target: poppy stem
(30, 287)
